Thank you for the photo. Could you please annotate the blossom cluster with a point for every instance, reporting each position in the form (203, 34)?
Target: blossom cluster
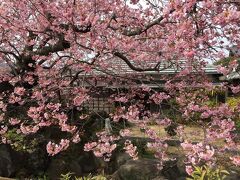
(54, 149)
(198, 153)
(103, 147)
(131, 149)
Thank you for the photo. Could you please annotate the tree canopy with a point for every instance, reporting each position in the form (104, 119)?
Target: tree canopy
(52, 53)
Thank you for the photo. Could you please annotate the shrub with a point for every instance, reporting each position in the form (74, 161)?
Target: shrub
(207, 173)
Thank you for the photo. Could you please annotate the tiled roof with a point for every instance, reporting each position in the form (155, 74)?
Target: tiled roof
(117, 66)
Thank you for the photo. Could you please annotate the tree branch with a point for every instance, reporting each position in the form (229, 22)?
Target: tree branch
(59, 46)
(9, 52)
(131, 66)
(141, 30)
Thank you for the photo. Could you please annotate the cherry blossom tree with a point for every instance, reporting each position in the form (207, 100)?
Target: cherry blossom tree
(54, 52)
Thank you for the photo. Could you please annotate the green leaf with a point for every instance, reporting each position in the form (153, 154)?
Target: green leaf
(202, 175)
(225, 172)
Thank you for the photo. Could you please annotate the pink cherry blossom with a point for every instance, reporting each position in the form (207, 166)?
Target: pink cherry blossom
(189, 170)
(14, 121)
(132, 114)
(236, 160)
(131, 149)
(3, 129)
(2, 117)
(76, 138)
(223, 70)
(159, 97)
(3, 106)
(124, 132)
(235, 89)
(28, 129)
(121, 99)
(78, 100)
(104, 146)
(83, 116)
(68, 128)
(89, 146)
(54, 149)
(190, 54)
(19, 91)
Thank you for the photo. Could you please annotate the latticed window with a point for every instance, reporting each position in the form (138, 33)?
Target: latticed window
(99, 104)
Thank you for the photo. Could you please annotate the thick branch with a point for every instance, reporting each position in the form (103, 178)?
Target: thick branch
(77, 74)
(140, 30)
(62, 44)
(9, 52)
(59, 46)
(77, 28)
(131, 66)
